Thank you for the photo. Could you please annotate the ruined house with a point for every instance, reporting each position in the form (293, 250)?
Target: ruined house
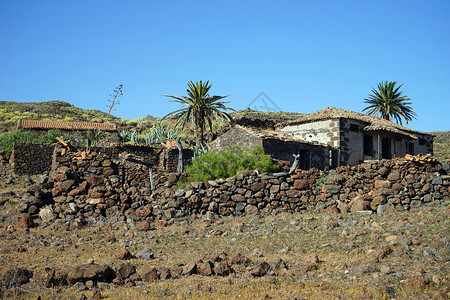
(359, 137)
(279, 145)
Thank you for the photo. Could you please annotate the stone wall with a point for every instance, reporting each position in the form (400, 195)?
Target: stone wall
(424, 144)
(351, 142)
(31, 158)
(79, 191)
(324, 132)
(168, 159)
(311, 156)
(238, 137)
(5, 167)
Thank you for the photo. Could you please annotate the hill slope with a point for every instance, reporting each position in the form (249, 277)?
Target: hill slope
(442, 145)
(11, 111)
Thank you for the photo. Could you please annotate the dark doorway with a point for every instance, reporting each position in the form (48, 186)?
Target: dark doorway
(304, 159)
(368, 144)
(411, 148)
(334, 159)
(386, 148)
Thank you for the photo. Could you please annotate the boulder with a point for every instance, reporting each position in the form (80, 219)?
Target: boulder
(25, 222)
(94, 272)
(46, 214)
(148, 273)
(16, 277)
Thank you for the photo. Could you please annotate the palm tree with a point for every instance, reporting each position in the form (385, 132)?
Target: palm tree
(199, 108)
(390, 103)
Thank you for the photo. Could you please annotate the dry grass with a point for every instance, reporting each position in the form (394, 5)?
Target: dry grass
(343, 273)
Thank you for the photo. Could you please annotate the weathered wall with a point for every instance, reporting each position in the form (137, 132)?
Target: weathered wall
(235, 136)
(351, 142)
(324, 132)
(313, 156)
(31, 158)
(424, 144)
(94, 189)
(168, 159)
(316, 156)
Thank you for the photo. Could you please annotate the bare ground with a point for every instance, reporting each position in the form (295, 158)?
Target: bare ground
(355, 256)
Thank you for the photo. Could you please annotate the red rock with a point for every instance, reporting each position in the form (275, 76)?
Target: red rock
(161, 223)
(239, 259)
(222, 268)
(147, 273)
(301, 184)
(382, 184)
(25, 222)
(383, 251)
(293, 193)
(143, 226)
(359, 204)
(205, 224)
(204, 268)
(123, 254)
(95, 180)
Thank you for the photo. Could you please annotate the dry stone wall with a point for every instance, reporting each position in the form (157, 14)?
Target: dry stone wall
(98, 188)
(31, 158)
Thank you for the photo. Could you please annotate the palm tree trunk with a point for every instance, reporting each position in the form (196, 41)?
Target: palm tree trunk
(199, 131)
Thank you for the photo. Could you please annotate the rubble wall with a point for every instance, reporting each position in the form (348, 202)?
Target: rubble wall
(31, 158)
(100, 189)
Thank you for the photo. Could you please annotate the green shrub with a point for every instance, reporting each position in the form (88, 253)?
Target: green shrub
(321, 181)
(21, 136)
(227, 162)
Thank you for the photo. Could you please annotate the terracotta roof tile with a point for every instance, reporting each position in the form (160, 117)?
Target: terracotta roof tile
(373, 123)
(33, 124)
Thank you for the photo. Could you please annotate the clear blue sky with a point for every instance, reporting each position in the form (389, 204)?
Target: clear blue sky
(305, 55)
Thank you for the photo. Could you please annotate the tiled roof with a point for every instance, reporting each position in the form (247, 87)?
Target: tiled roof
(373, 123)
(279, 135)
(33, 124)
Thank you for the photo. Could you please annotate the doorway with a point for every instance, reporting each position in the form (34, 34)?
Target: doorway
(386, 148)
(304, 159)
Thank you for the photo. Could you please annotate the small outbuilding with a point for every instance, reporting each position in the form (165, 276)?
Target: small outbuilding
(280, 146)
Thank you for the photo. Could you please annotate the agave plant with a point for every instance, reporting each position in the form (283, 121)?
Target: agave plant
(93, 136)
(134, 137)
(124, 136)
(202, 149)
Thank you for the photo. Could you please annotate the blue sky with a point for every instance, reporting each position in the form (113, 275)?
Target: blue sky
(304, 55)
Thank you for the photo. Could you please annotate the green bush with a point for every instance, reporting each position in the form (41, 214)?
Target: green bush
(321, 181)
(21, 136)
(227, 162)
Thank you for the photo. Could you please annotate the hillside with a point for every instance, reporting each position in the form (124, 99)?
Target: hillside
(263, 119)
(442, 145)
(11, 111)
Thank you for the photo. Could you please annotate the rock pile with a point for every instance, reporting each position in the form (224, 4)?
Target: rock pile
(99, 187)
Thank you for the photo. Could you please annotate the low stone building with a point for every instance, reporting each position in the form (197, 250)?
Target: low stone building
(280, 145)
(359, 137)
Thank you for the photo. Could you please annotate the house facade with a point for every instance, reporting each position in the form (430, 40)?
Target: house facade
(279, 145)
(359, 137)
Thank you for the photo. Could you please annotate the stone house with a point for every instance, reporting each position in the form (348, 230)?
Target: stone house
(359, 137)
(279, 145)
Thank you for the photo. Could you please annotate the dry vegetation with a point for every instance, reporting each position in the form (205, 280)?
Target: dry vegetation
(357, 256)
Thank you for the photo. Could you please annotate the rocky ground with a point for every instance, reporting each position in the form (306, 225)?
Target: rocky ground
(308, 255)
